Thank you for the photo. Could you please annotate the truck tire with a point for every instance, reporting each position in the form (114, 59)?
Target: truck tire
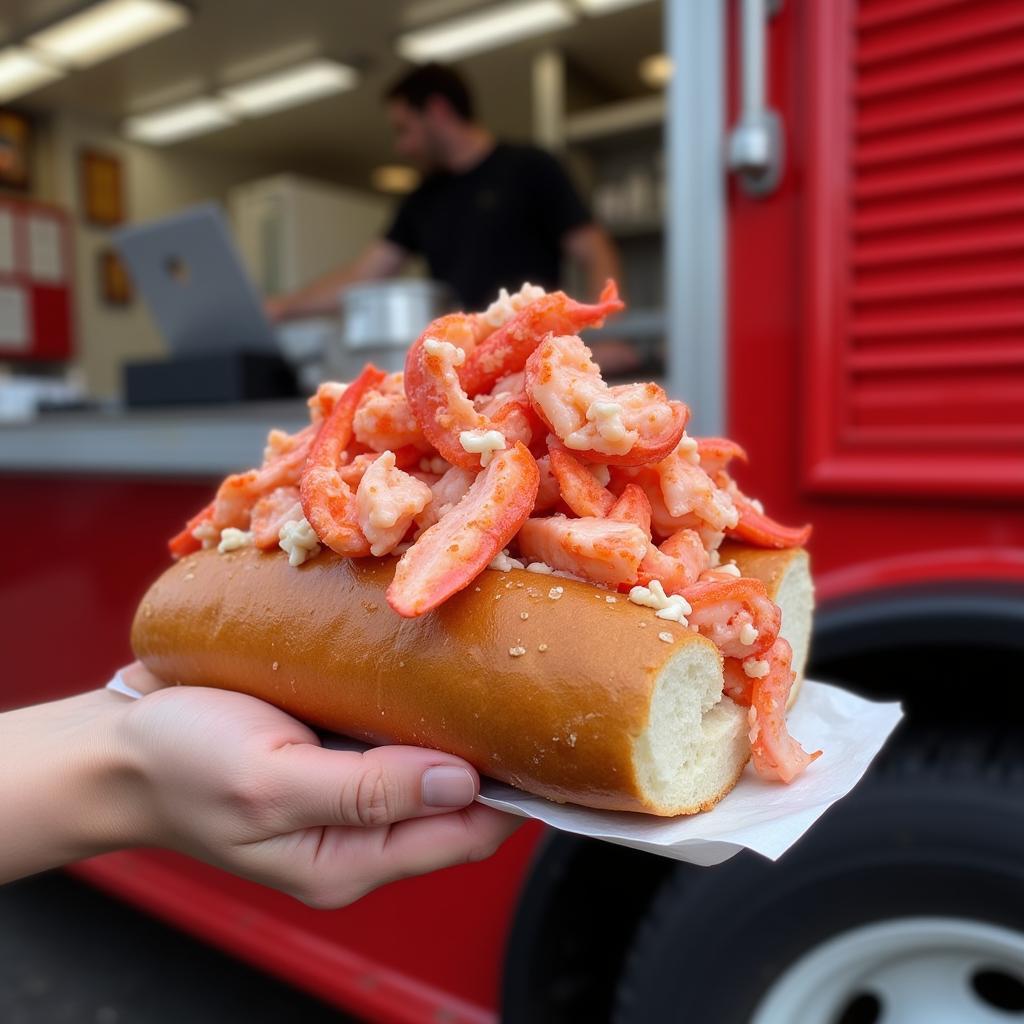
(905, 903)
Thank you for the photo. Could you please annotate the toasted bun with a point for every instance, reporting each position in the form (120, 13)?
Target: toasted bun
(787, 577)
(575, 698)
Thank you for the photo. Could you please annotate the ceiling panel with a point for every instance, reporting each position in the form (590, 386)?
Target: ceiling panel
(344, 135)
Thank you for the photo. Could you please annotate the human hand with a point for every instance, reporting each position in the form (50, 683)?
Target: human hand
(234, 781)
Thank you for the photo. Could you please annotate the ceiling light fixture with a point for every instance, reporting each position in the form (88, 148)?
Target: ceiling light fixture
(300, 84)
(486, 29)
(656, 71)
(394, 179)
(106, 29)
(22, 72)
(607, 6)
(181, 122)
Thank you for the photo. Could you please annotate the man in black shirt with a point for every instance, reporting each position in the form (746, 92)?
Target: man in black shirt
(487, 215)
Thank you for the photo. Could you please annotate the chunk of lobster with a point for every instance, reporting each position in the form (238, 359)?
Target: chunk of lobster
(353, 469)
(447, 492)
(516, 420)
(600, 550)
(627, 425)
(735, 613)
(506, 350)
(455, 550)
(663, 524)
(288, 452)
(716, 453)
(354, 466)
(677, 563)
(508, 387)
(775, 754)
(284, 461)
(186, 542)
(548, 493)
(436, 397)
(632, 506)
(687, 489)
(578, 487)
(738, 686)
(646, 480)
(387, 501)
(322, 402)
(271, 512)
(384, 422)
(327, 501)
(754, 527)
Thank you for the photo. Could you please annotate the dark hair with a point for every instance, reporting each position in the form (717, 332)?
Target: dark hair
(418, 86)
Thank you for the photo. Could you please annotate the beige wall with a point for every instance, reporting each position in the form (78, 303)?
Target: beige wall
(157, 182)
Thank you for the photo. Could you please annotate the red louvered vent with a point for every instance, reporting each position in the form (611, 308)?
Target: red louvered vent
(915, 245)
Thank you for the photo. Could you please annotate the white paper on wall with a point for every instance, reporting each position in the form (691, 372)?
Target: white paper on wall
(15, 318)
(6, 242)
(45, 260)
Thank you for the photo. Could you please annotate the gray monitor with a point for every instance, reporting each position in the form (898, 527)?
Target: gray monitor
(189, 272)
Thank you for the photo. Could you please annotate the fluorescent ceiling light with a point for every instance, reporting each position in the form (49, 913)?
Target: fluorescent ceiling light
(607, 6)
(300, 84)
(107, 28)
(181, 122)
(485, 29)
(656, 70)
(21, 72)
(395, 179)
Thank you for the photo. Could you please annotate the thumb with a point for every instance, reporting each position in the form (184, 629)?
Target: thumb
(378, 787)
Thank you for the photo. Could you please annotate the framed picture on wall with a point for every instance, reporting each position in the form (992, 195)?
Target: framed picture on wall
(15, 140)
(115, 286)
(102, 188)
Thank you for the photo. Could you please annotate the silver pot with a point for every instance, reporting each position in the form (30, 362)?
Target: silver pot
(381, 319)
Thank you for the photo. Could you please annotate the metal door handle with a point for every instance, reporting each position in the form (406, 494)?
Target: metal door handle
(755, 143)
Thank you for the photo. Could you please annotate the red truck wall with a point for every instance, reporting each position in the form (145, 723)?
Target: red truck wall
(876, 312)
(80, 555)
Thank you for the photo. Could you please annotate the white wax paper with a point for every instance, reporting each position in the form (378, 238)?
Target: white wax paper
(766, 817)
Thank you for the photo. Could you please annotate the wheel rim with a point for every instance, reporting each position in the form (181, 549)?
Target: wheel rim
(942, 970)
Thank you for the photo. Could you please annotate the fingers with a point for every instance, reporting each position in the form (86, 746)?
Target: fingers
(416, 847)
(380, 787)
(349, 863)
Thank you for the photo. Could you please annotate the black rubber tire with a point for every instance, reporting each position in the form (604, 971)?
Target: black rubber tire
(933, 831)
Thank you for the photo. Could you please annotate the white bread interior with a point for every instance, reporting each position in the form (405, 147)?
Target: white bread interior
(795, 597)
(695, 744)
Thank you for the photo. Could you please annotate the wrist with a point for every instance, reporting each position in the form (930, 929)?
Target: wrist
(104, 774)
(68, 785)
(113, 779)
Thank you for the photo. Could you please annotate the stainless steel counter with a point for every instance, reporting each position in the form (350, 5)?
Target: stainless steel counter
(200, 441)
(191, 441)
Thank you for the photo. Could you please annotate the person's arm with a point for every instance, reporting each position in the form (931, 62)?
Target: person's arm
(235, 782)
(381, 258)
(590, 247)
(562, 215)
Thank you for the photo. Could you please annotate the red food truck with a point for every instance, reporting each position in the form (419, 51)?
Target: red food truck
(852, 300)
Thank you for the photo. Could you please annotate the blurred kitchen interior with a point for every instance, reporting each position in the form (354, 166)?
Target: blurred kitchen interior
(304, 167)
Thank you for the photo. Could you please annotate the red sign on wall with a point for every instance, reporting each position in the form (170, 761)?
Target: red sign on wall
(36, 272)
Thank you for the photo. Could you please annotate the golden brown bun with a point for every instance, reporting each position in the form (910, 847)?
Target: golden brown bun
(787, 577)
(597, 711)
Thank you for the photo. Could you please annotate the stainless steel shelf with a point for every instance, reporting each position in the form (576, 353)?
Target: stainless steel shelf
(615, 119)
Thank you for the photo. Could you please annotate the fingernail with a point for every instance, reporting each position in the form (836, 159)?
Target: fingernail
(448, 786)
